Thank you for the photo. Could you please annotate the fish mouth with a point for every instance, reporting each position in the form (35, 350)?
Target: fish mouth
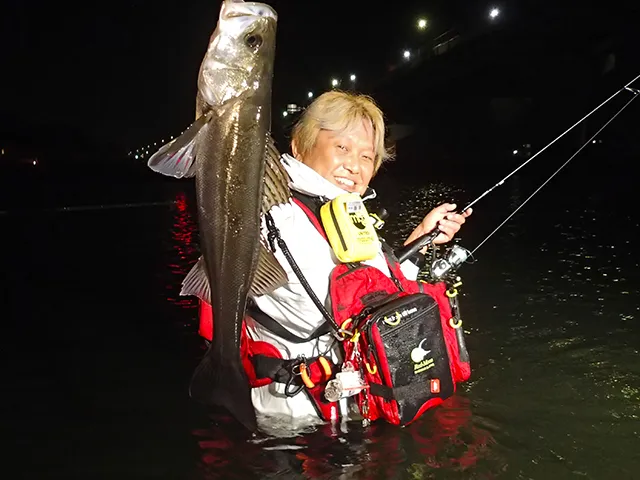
(239, 8)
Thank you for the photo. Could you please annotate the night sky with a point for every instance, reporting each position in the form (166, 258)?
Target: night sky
(125, 72)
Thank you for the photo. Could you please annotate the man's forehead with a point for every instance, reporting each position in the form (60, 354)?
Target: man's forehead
(352, 130)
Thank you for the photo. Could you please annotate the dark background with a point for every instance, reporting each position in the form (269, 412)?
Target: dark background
(84, 87)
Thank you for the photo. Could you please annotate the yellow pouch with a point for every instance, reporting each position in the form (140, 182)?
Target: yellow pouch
(349, 228)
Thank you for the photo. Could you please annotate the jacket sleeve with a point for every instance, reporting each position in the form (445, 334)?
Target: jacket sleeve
(409, 269)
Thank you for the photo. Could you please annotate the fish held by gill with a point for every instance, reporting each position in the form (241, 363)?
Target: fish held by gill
(238, 177)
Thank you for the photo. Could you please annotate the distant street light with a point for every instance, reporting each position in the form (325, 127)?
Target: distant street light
(494, 13)
(285, 113)
(406, 54)
(334, 82)
(310, 94)
(352, 77)
(422, 24)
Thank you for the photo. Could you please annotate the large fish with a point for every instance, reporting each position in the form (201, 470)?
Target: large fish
(238, 177)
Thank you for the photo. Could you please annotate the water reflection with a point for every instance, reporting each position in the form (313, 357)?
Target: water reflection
(554, 391)
(184, 251)
(445, 440)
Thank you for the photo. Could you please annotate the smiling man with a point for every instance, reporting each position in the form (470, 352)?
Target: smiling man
(337, 146)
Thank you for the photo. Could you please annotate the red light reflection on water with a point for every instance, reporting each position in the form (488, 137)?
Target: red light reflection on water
(444, 440)
(184, 252)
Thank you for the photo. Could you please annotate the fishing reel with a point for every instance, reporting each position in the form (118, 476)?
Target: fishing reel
(446, 266)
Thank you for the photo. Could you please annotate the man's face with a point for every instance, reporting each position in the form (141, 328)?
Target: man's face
(345, 159)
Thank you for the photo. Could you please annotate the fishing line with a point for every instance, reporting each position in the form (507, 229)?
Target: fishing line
(429, 237)
(556, 172)
(626, 87)
(82, 208)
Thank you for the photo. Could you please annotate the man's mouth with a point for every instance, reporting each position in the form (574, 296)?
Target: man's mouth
(345, 182)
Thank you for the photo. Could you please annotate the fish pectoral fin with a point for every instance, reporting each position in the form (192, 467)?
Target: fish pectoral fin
(276, 179)
(269, 274)
(177, 158)
(196, 282)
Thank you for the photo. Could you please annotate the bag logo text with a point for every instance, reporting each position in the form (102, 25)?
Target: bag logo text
(419, 357)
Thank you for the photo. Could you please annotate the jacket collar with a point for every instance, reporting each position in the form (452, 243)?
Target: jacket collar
(309, 182)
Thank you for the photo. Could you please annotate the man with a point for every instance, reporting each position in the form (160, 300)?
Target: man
(337, 147)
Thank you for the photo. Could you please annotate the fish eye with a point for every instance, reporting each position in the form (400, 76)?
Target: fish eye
(253, 40)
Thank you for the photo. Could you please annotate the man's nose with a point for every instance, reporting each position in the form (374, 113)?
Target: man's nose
(352, 163)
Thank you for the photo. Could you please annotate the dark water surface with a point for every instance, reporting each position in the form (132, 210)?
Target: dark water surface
(97, 348)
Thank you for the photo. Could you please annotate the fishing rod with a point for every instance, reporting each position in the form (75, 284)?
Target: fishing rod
(456, 255)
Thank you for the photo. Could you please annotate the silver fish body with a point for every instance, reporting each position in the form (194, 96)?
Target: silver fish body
(229, 151)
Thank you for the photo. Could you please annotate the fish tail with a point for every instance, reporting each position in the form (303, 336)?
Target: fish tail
(226, 386)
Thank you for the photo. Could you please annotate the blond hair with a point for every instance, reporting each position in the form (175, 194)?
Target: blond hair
(339, 111)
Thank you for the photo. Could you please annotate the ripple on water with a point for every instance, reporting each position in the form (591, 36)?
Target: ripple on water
(555, 380)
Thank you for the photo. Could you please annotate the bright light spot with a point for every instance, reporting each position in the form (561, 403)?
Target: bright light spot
(334, 82)
(593, 141)
(422, 24)
(515, 152)
(406, 54)
(494, 13)
(2, 152)
(136, 156)
(35, 162)
(352, 77)
(284, 114)
(171, 137)
(310, 94)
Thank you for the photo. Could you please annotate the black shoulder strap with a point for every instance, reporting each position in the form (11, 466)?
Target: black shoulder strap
(391, 260)
(312, 202)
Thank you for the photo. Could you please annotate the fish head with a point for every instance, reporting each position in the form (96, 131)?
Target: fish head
(241, 52)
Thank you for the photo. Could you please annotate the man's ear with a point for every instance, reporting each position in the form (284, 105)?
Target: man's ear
(294, 150)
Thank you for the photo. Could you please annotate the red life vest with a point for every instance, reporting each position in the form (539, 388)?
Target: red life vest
(354, 288)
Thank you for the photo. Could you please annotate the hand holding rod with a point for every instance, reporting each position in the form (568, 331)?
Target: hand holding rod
(420, 242)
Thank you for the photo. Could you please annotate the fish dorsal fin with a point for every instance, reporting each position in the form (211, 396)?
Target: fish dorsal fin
(177, 158)
(269, 276)
(276, 179)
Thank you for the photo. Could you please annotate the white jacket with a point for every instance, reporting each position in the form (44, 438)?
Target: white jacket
(290, 305)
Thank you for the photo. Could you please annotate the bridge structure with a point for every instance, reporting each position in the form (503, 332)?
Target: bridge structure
(503, 89)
